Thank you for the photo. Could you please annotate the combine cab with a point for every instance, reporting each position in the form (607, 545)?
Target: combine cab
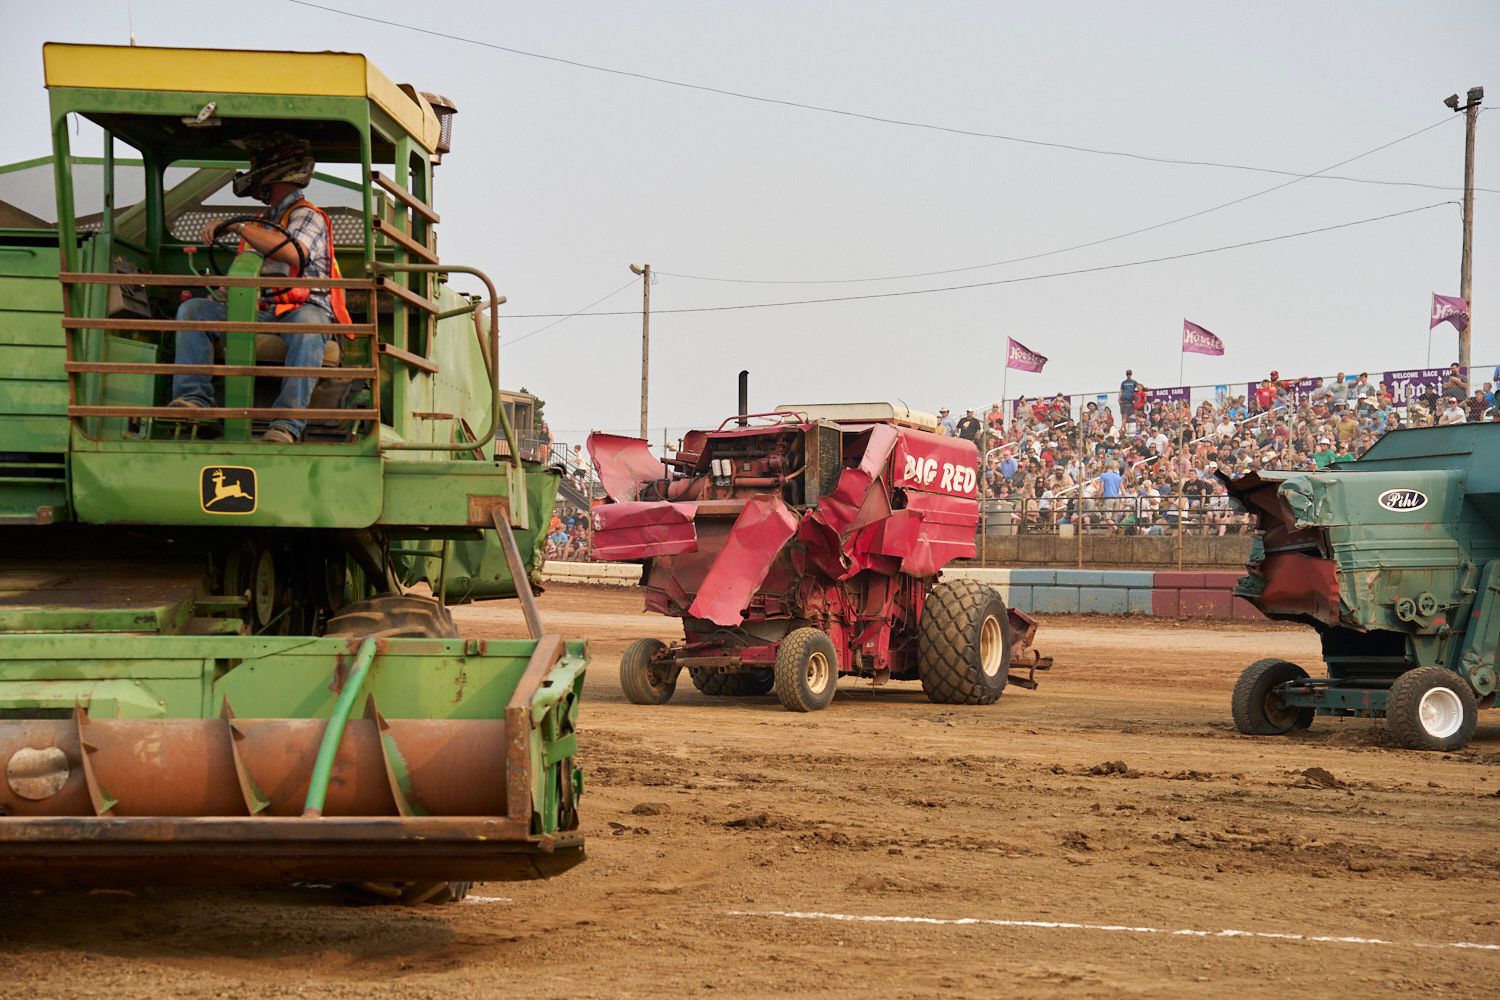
(803, 546)
(213, 666)
(1395, 560)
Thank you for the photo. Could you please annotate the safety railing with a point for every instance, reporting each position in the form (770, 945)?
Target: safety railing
(75, 366)
(1124, 515)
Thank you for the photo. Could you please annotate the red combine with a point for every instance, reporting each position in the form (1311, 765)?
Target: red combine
(804, 544)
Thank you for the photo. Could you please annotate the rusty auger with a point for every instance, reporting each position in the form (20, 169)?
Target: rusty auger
(91, 802)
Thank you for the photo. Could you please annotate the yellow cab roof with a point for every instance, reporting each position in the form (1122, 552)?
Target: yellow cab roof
(239, 71)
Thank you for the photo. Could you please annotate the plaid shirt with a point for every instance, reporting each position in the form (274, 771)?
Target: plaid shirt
(307, 228)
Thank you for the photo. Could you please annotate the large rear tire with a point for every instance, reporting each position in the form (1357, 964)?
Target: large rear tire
(963, 646)
(400, 616)
(393, 616)
(1258, 710)
(807, 671)
(644, 681)
(1431, 708)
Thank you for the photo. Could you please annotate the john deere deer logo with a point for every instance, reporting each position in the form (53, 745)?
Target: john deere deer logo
(227, 489)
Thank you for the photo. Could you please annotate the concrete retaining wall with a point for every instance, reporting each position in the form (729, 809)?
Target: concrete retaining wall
(608, 574)
(1166, 593)
(1228, 552)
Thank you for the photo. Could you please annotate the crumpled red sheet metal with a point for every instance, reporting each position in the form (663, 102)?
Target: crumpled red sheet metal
(761, 529)
(931, 532)
(1300, 584)
(640, 529)
(624, 464)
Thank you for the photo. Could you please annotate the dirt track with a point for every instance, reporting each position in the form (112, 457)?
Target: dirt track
(707, 815)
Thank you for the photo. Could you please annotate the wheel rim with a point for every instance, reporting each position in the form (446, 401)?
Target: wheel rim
(1278, 712)
(818, 673)
(991, 646)
(1441, 712)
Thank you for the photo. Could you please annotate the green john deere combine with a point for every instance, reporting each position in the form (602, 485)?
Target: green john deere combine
(1395, 560)
(212, 666)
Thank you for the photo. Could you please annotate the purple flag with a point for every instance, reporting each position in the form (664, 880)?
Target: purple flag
(1449, 309)
(1022, 358)
(1196, 340)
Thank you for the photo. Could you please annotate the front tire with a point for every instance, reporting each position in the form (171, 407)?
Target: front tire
(645, 680)
(1258, 710)
(806, 674)
(1431, 708)
(963, 646)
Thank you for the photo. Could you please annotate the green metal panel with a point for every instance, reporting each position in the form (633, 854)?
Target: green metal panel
(475, 569)
(263, 677)
(312, 486)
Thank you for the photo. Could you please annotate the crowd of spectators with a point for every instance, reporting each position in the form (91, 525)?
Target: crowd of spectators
(1140, 465)
(568, 536)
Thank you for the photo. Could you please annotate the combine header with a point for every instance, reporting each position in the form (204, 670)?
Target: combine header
(212, 668)
(1395, 560)
(806, 545)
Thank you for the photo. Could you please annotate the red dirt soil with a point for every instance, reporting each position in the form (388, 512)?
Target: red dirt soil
(1118, 794)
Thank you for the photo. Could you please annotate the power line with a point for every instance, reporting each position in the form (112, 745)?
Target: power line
(1013, 281)
(566, 317)
(844, 113)
(1068, 249)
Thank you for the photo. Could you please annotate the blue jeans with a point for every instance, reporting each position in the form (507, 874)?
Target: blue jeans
(303, 350)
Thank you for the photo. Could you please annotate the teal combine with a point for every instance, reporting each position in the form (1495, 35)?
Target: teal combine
(1395, 560)
(225, 650)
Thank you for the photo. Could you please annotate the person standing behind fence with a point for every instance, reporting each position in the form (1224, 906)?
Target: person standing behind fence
(968, 426)
(1127, 396)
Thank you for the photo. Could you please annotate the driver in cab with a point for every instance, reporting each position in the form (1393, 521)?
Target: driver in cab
(296, 238)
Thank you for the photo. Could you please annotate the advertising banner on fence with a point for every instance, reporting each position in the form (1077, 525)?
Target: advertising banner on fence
(1407, 385)
(1301, 387)
(1174, 394)
(1404, 384)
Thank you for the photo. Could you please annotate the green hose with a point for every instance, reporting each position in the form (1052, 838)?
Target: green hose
(338, 720)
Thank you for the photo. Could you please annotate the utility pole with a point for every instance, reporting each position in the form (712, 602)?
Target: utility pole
(645, 273)
(1465, 273)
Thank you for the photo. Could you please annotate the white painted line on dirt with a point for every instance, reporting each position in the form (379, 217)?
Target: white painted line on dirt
(487, 899)
(1115, 928)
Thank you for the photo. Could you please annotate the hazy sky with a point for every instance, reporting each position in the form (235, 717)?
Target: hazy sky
(560, 177)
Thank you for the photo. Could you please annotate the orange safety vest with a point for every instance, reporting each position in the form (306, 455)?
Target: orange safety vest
(291, 298)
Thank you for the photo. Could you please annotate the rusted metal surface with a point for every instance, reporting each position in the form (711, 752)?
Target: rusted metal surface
(219, 326)
(215, 281)
(549, 649)
(206, 767)
(94, 852)
(518, 573)
(406, 198)
(404, 242)
(214, 412)
(406, 295)
(269, 371)
(409, 359)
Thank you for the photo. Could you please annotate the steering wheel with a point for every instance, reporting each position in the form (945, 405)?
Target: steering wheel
(219, 243)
